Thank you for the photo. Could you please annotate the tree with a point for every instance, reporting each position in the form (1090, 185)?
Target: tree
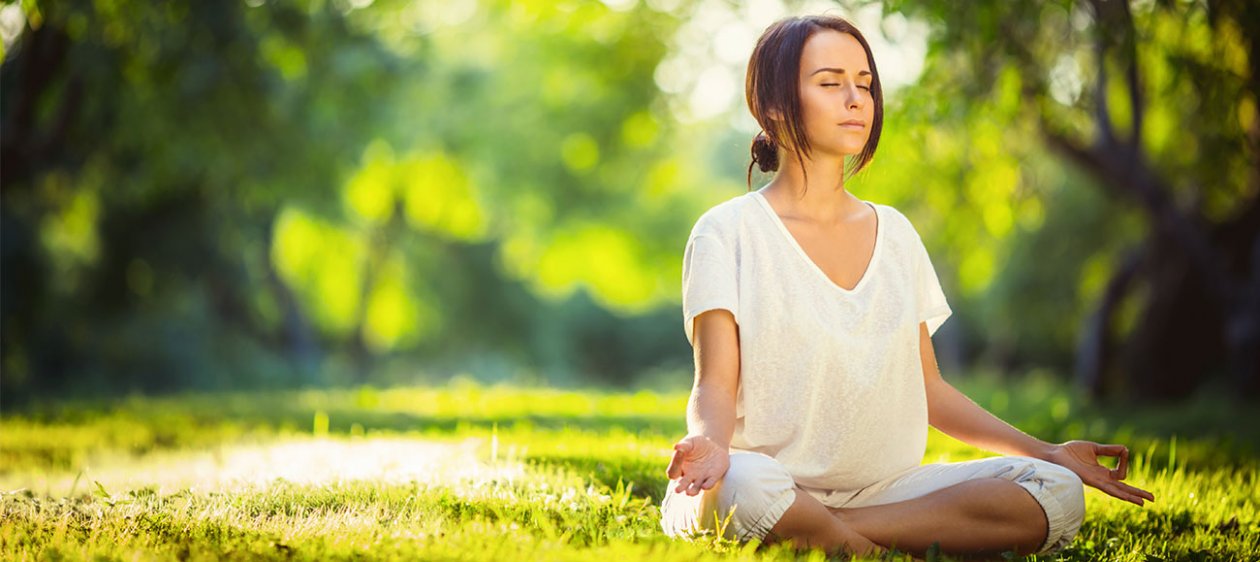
(1172, 115)
(220, 194)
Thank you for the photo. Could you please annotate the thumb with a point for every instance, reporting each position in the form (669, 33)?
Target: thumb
(683, 446)
(674, 470)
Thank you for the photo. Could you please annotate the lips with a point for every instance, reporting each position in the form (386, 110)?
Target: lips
(854, 124)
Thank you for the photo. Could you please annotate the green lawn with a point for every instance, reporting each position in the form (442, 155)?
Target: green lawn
(469, 472)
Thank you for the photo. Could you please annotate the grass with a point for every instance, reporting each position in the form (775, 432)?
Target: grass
(469, 472)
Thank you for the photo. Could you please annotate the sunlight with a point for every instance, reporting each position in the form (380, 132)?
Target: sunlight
(719, 37)
(307, 461)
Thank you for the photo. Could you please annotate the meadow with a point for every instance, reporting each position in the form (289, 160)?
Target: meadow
(467, 471)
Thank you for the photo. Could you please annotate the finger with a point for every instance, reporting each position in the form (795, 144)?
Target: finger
(1116, 491)
(675, 466)
(1122, 465)
(694, 488)
(1108, 450)
(709, 482)
(1136, 491)
(682, 484)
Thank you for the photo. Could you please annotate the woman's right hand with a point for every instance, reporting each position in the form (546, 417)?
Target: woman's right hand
(698, 464)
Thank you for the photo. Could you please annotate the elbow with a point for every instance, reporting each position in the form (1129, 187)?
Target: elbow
(935, 401)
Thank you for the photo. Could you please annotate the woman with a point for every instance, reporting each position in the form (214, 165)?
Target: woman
(811, 314)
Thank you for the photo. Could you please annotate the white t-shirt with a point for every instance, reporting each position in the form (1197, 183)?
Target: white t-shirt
(831, 383)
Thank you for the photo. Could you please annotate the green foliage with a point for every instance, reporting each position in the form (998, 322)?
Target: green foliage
(1028, 238)
(268, 194)
(301, 193)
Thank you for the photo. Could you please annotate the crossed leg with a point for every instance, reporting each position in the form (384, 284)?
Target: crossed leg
(983, 516)
(807, 523)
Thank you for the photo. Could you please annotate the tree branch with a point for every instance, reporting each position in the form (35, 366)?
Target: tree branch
(1129, 172)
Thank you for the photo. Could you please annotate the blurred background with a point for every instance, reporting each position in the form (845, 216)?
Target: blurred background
(260, 194)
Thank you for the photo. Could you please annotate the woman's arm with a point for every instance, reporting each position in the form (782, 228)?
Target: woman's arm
(711, 408)
(959, 417)
(703, 456)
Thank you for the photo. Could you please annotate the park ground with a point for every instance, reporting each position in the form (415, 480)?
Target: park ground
(468, 471)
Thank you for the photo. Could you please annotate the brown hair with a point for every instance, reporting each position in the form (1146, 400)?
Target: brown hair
(773, 82)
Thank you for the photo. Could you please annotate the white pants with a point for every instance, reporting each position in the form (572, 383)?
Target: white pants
(757, 489)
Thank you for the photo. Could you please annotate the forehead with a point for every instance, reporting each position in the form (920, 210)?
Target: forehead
(831, 48)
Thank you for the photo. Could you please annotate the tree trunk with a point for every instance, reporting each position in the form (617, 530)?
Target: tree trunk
(298, 337)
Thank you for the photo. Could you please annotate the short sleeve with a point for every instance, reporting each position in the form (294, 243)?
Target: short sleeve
(709, 280)
(930, 306)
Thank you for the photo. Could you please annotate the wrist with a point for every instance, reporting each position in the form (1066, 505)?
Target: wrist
(717, 441)
(1044, 451)
(724, 445)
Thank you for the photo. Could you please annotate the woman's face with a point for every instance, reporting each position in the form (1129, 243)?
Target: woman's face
(835, 86)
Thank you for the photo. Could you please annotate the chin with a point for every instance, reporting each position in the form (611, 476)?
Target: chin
(841, 150)
(850, 150)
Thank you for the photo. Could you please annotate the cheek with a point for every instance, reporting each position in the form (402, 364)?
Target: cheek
(814, 106)
(809, 102)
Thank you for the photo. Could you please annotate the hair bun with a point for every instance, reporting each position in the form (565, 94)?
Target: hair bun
(764, 153)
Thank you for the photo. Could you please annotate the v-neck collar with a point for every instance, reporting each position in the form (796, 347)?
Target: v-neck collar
(870, 267)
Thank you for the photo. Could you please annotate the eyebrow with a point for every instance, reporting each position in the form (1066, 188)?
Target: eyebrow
(838, 71)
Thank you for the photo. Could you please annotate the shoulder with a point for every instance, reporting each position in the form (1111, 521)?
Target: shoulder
(898, 224)
(902, 237)
(725, 219)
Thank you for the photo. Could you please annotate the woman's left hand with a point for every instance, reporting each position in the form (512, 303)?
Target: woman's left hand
(1081, 457)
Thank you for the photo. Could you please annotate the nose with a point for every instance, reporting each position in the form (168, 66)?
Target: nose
(855, 99)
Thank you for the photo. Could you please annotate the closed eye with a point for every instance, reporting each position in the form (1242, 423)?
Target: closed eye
(827, 85)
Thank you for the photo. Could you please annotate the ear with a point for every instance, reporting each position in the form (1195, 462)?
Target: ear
(774, 114)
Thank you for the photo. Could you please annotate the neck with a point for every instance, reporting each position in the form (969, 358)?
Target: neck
(818, 195)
